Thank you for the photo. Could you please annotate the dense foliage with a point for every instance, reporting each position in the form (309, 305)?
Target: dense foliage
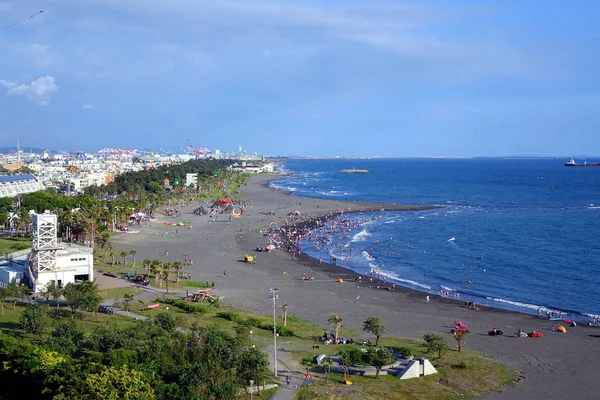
(147, 360)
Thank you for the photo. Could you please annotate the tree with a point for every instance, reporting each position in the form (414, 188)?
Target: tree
(127, 299)
(375, 326)
(335, 320)
(112, 254)
(345, 361)
(284, 308)
(166, 271)
(82, 296)
(307, 363)
(146, 264)
(459, 336)
(14, 290)
(116, 384)
(327, 363)
(379, 358)
(34, 319)
(67, 337)
(165, 321)
(435, 343)
(124, 255)
(133, 252)
(253, 364)
(54, 291)
(177, 267)
(4, 293)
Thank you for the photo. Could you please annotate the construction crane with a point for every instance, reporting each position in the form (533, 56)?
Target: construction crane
(195, 151)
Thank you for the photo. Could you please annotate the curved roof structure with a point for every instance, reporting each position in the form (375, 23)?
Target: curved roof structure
(14, 185)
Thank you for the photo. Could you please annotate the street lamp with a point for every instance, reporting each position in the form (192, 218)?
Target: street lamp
(274, 296)
(251, 340)
(251, 388)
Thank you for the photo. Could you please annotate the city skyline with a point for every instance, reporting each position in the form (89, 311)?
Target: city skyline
(321, 78)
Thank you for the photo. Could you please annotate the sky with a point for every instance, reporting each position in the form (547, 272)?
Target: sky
(303, 77)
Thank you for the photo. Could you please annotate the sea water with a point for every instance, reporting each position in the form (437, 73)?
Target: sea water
(519, 234)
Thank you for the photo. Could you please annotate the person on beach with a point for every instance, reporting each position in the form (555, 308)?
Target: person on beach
(225, 273)
(427, 298)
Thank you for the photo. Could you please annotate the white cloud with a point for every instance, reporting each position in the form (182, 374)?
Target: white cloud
(87, 106)
(38, 91)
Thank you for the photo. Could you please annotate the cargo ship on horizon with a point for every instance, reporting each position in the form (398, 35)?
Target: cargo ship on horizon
(572, 163)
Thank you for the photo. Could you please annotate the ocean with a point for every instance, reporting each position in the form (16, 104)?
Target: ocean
(517, 234)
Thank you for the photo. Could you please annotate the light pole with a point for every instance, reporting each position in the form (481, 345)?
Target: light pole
(251, 339)
(274, 296)
(251, 388)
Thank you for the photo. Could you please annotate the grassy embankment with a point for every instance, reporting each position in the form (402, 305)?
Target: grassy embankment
(11, 244)
(461, 375)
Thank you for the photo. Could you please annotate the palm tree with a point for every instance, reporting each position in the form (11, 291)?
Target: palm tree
(156, 271)
(146, 263)
(107, 251)
(112, 254)
(177, 266)
(133, 252)
(335, 320)
(127, 299)
(166, 270)
(124, 254)
(284, 308)
(102, 240)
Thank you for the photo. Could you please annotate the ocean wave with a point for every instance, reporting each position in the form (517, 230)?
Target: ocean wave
(361, 236)
(367, 256)
(593, 316)
(393, 276)
(448, 288)
(519, 304)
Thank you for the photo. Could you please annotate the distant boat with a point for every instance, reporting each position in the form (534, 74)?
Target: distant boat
(572, 163)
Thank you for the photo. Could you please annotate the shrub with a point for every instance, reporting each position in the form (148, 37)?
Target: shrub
(284, 331)
(201, 285)
(253, 321)
(165, 321)
(186, 306)
(19, 246)
(230, 316)
(34, 319)
(353, 355)
(406, 351)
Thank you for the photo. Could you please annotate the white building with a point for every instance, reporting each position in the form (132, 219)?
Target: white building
(14, 185)
(191, 179)
(50, 260)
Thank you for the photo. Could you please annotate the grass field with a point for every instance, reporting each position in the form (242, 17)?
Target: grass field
(12, 244)
(461, 375)
(9, 323)
(119, 293)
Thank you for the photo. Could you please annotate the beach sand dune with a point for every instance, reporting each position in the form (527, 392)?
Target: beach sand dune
(556, 366)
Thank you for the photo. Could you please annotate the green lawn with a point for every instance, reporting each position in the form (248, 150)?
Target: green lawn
(463, 375)
(9, 322)
(12, 244)
(119, 293)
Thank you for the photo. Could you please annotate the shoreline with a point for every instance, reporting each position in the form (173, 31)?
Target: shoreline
(218, 245)
(578, 316)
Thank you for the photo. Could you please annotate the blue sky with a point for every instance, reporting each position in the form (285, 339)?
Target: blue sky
(312, 77)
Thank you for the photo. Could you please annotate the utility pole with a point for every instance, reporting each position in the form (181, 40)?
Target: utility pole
(274, 296)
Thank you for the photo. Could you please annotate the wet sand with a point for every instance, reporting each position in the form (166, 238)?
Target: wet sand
(557, 366)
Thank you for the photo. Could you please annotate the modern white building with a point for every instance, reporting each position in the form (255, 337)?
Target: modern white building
(191, 179)
(50, 260)
(14, 185)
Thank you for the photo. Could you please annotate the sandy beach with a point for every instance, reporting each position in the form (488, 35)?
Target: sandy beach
(557, 366)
